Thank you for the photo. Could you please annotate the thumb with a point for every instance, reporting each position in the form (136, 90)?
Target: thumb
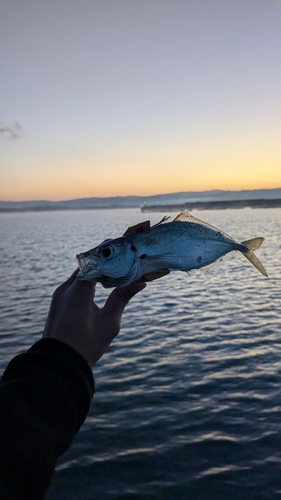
(119, 298)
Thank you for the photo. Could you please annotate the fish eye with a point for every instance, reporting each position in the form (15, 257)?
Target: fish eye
(107, 252)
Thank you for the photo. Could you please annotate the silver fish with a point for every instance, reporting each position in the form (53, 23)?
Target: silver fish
(184, 244)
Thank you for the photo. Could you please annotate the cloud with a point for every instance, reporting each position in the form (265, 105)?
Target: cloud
(14, 132)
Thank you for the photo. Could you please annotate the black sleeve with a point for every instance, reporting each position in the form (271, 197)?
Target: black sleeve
(45, 395)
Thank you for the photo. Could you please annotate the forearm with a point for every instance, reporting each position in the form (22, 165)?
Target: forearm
(45, 395)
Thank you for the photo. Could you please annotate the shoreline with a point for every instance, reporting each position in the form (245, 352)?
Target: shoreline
(173, 207)
(214, 205)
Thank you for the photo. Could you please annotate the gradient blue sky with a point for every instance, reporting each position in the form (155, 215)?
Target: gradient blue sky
(118, 97)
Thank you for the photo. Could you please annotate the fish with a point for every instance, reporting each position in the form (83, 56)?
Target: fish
(150, 252)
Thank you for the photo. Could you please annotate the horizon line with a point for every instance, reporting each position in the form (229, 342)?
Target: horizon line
(140, 196)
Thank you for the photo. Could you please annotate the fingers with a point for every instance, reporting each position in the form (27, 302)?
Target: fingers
(83, 292)
(73, 276)
(78, 293)
(119, 298)
(71, 279)
(64, 286)
(127, 292)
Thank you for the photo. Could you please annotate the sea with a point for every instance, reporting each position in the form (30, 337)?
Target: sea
(188, 396)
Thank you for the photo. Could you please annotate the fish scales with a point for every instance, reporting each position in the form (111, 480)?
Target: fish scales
(183, 244)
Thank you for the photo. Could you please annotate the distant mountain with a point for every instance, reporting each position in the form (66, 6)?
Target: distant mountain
(138, 201)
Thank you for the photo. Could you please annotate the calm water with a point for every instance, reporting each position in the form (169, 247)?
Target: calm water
(188, 401)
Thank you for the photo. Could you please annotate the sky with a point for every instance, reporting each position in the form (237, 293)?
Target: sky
(138, 97)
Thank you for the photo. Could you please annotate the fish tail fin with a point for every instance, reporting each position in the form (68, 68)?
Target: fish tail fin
(252, 245)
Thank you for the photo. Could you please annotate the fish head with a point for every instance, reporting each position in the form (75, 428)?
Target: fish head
(113, 262)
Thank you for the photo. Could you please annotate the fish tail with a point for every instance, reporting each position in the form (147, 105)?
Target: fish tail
(249, 253)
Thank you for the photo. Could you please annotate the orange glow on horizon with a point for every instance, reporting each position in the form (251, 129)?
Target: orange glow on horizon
(230, 167)
(70, 192)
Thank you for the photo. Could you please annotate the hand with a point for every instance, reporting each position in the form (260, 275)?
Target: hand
(77, 321)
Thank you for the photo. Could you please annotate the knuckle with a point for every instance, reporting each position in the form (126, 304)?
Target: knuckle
(124, 295)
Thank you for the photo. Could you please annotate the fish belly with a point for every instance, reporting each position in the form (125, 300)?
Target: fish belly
(201, 254)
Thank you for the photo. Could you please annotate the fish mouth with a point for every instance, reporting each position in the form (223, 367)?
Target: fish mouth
(87, 267)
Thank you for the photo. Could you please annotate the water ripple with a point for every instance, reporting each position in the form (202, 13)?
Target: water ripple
(188, 399)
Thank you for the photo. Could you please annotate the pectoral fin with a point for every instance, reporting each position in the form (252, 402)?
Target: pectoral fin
(155, 275)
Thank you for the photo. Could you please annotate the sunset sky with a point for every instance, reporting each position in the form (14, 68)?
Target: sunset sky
(119, 97)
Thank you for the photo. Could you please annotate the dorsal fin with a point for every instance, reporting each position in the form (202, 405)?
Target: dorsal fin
(164, 219)
(186, 216)
(143, 226)
(138, 228)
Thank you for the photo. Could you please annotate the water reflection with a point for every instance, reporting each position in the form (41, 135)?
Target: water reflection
(188, 396)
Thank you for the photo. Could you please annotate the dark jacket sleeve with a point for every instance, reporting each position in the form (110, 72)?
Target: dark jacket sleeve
(45, 395)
